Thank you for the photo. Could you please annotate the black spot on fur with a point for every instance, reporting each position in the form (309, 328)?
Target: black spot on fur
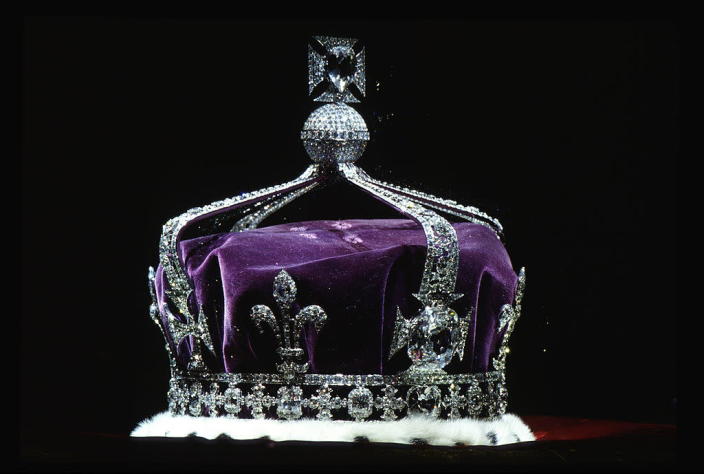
(491, 436)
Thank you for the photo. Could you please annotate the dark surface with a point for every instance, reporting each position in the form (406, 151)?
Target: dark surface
(580, 445)
(565, 130)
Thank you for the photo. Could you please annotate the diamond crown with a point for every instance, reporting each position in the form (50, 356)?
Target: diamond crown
(335, 136)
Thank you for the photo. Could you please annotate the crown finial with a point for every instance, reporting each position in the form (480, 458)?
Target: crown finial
(336, 69)
(335, 133)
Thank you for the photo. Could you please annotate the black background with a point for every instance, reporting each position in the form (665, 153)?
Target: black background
(565, 130)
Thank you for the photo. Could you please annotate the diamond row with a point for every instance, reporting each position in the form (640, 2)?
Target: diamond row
(334, 134)
(189, 397)
(345, 380)
(469, 213)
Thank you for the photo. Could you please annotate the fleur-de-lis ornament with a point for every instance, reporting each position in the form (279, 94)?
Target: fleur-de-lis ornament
(288, 328)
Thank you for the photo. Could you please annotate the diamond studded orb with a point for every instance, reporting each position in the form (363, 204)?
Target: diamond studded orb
(335, 133)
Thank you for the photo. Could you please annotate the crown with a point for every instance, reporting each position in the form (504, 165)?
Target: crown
(354, 320)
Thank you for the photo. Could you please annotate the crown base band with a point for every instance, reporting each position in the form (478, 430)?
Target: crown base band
(339, 397)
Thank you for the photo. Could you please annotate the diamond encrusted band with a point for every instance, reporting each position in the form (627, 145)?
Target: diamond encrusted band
(442, 259)
(469, 213)
(339, 397)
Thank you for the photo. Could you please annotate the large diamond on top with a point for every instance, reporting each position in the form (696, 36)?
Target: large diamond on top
(432, 338)
(336, 64)
(340, 66)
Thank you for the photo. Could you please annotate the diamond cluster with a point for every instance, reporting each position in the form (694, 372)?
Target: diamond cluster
(508, 316)
(334, 63)
(288, 327)
(335, 133)
(431, 338)
(335, 122)
(337, 397)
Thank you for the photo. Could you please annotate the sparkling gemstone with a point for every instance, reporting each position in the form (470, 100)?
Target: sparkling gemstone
(340, 66)
(284, 288)
(233, 401)
(175, 399)
(334, 132)
(194, 407)
(360, 403)
(432, 338)
(339, 151)
(289, 403)
(424, 399)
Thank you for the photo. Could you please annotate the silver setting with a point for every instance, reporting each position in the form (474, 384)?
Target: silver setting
(324, 402)
(258, 401)
(389, 404)
(433, 337)
(358, 397)
(289, 328)
(360, 403)
(154, 314)
(197, 400)
(448, 206)
(454, 402)
(334, 63)
(263, 209)
(475, 395)
(507, 321)
(288, 403)
(233, 401)
(335, 122)
(343, 380)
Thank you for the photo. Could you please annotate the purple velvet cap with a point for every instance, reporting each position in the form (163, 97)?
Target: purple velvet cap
(358, 271)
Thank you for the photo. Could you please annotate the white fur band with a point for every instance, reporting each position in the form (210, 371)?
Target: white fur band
(505, 430)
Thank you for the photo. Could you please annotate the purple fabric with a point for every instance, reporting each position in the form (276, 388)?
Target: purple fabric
(358, 271)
